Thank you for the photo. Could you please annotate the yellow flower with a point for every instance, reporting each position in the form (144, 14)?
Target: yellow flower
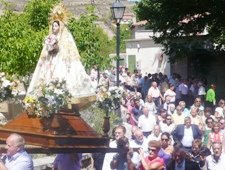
(29, 99)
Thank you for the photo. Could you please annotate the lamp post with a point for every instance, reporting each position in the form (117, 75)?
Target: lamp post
(117, 10)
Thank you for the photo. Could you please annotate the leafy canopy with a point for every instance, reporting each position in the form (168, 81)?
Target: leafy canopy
(179, 21)
(92, 42)
(22, 35)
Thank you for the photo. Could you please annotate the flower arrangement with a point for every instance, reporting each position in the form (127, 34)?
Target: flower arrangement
(109, 99)
(9, 88)
(51, 42)
(47, 99)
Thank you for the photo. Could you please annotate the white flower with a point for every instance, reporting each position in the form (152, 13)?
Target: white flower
(2, 74)
(58, 91)
(5, 82)
(15, 92)
(50, 98)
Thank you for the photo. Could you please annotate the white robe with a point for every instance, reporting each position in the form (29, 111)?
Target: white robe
(64, 65)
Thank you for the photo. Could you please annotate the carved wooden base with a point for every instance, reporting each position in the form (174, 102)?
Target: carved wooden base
(61, 133)
(106, 126)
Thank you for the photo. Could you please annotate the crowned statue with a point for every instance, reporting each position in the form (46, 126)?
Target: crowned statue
(60, 59)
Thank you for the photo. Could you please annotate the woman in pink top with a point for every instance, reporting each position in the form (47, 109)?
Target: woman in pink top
(170, 92)
(216, 135)
(152, 161)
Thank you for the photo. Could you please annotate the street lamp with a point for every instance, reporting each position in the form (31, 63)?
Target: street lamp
(117, 10)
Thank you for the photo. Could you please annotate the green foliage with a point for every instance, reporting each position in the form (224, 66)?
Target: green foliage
(92, 42)
(180, 22)
(22, 34)
(125, 33)
(38, 12)
(21, 37)
(19, 46)
(95, 117)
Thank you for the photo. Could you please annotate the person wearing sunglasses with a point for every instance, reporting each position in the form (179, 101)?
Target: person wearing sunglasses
(152, 161)
(222, 126)
(178, 116)
(166, 149)
(167, 125)
(198, 153)
(118, 132)
(198, 104)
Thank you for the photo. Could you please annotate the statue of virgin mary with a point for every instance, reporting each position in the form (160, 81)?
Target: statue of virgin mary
(60, 59)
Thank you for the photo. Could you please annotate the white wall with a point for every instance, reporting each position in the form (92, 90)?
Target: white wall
(147, 53)
(143, 34)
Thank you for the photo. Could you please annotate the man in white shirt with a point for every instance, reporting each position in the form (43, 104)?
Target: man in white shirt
(16, 157)
(186, 133)
(146, 122)
(156, 134)
(168, 125)
(138, 142)
(119, 133)
(150, 105)
(201, 91)
(155, 93)
(216, 161)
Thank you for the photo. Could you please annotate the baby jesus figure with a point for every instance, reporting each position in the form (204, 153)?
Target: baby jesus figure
(52, 43)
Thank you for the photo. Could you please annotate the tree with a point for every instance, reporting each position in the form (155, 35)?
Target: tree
(22, 34)
(19, 44)
(92, 42)
(37, 12)
(181, 24)
(20, 38)
(125, 33)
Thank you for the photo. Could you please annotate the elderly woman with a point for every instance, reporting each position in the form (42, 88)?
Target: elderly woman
(152, 161)
(166, 148)
(216, 135)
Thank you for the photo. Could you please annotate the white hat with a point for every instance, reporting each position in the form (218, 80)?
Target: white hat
(220, 111)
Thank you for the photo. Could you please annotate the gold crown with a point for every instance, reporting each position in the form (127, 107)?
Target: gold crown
(59, 13)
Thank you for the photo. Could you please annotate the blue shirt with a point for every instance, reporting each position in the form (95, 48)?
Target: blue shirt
(165, 156)
(19, 161)
(68, 161)
(180, 166)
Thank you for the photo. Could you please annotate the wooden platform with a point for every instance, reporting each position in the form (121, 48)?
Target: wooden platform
(62, 133)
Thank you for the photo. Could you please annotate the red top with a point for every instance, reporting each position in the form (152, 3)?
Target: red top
(149, 161)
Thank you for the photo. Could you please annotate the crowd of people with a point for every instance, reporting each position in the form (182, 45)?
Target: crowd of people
(168, 123)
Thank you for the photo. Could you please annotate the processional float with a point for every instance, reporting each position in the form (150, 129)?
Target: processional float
(63, 132)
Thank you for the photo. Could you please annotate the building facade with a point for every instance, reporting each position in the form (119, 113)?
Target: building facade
(144, 54)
